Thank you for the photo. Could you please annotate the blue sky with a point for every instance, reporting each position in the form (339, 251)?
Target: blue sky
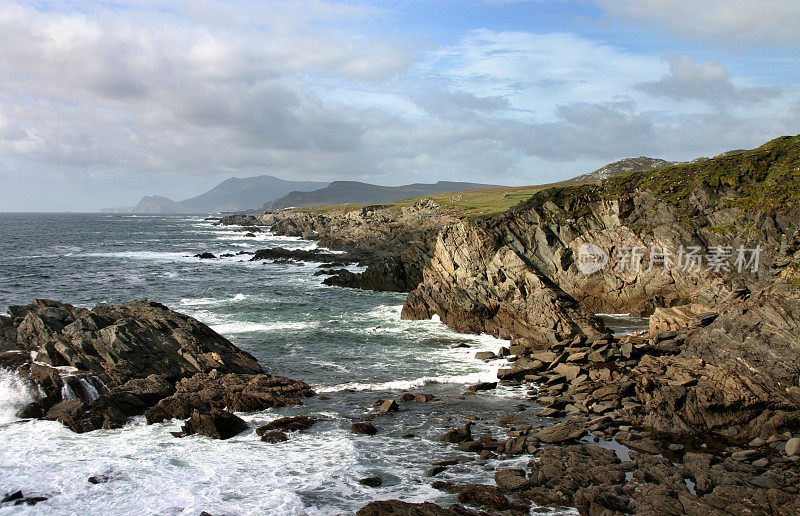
(103, 102)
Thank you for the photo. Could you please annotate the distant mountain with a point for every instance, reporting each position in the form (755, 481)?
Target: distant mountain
(344, 192)
(235, 194)
(640, 164)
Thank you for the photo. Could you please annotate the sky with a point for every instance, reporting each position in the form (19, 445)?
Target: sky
(104, 102)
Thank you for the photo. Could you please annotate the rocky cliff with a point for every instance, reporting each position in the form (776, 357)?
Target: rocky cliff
(629, 245)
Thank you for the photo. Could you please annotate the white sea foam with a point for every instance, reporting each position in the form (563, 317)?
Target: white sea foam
(212, 301)
(235, 327)
(14, 395)
(150, 471)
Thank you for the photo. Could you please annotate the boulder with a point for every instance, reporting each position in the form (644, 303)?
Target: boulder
(561, 432)
(274, 436)
(457, 435)
(287, 424)
(389, 406)
(364, 428)
(217, 424)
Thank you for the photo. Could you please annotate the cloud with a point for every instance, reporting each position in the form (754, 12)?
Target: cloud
(733, 23)
(146, 97)
(709, 82)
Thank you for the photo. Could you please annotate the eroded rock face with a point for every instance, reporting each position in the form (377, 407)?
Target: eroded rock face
(96, 368)
(521, 275)
(477, 285)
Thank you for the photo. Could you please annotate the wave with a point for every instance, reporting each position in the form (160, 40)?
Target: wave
(236, 327)
(14, 395)
(212, 301)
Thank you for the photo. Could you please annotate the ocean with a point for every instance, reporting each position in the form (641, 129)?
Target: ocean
(349, 345)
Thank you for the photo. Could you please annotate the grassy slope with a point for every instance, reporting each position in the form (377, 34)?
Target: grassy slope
(467, 204)
(764, 179)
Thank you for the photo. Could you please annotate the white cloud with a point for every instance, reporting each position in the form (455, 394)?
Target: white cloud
(709, 82)
(733, 23)
(170, 98)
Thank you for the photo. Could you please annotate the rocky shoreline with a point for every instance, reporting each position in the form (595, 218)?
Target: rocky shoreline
(705, 408)
(97, 368)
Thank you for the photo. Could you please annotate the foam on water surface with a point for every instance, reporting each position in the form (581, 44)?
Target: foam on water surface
(350, 344)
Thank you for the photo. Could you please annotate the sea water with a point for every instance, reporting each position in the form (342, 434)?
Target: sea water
(351, 346)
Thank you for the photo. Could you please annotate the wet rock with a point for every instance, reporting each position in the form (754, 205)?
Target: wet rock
(435, 470)
(274, 436)
(205, 256)
(471, 446)
(17, 498)
(483, 386)
(364, 428)
(485, 496)
(217, 424)
(510, 420)
(131, 358)
(314, 255)
(746, 455)
(287, 424)
(406, 396)
(98, 479)
(371, 481)
(485, 355)
(457, 435)
(423, 398)
(398, 508)
(389, 406)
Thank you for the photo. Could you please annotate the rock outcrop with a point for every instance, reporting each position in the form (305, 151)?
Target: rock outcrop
(96, 368)
(395, 243)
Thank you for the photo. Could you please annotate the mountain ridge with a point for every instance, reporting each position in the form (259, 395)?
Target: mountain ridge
(356, 192)
(233, 194)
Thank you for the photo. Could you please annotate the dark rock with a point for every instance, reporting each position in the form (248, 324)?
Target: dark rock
(371, 481)
(457, 435)
(398, 508)
(217, 424)
(485, 355)
(471, 446)
(314, 255)
(485, 496)
(17, 498)
(435, 470)
(287, 424)
(365, 428)
(483, 386)
(274, 436)
(135, 358)
(205, 256)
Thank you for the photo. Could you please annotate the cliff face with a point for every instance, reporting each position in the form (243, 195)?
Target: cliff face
(523, 275)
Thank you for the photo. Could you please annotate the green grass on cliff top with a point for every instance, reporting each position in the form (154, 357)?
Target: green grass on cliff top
(763, 179)
(466, 204)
